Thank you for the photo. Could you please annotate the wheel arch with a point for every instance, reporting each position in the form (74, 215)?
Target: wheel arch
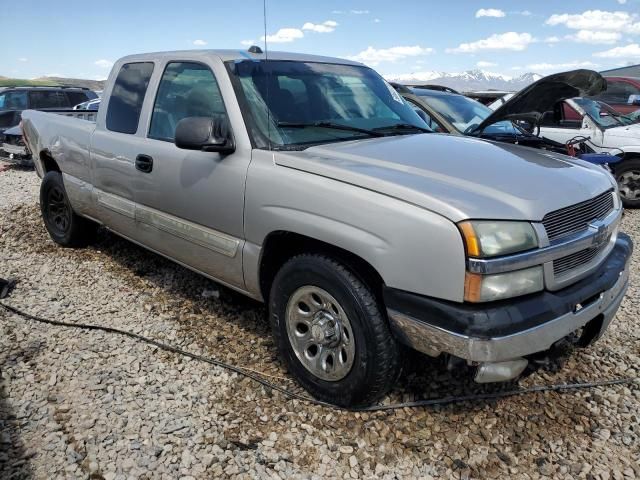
(281, 245)
(48, 163)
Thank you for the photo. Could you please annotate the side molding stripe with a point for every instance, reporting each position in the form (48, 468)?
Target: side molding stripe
(116, 203)
(189, 231)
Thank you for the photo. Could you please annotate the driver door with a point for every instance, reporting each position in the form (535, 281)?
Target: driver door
(189, 204)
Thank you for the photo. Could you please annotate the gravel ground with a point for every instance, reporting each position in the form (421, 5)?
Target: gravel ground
(78, 404)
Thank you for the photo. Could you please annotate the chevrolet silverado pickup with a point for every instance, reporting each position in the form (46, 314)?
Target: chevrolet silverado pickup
(308, 183)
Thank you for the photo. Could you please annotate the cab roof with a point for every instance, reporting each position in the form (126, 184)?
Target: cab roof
(236, 55)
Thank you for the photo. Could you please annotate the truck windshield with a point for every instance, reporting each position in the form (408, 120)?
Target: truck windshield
(601, 113)
(297, 104)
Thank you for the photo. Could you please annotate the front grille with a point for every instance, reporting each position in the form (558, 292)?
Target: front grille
(576, 218)
(565, 264)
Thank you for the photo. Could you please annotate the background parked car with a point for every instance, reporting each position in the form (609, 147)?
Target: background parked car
(13, 100)
(457, 114)
(89, 105)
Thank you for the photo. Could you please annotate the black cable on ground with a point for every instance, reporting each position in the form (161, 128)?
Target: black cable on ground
(293, 395)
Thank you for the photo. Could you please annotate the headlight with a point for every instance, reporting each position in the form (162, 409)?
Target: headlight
(485, 238)
(487, 288)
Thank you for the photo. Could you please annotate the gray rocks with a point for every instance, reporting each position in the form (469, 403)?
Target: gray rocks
(78, 404)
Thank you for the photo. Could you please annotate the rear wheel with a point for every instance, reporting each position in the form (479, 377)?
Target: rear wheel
(627, 175)
(331, 332)
(64, 226)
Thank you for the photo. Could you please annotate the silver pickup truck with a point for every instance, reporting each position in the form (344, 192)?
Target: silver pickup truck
(308, 183)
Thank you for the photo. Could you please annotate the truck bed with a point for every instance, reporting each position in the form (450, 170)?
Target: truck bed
(65, 134)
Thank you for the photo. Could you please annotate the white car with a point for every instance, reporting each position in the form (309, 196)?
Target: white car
(606, 131)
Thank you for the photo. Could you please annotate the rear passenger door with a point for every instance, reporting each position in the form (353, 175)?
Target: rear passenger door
(189, 204)
(115, 144)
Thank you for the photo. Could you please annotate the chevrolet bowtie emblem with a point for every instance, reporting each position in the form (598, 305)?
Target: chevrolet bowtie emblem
(601, 233)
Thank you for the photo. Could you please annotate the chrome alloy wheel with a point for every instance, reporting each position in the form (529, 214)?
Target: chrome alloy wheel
(629, 185)
(320, 333)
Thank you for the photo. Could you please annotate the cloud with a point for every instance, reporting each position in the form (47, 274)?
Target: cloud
(372, 56)
(23, 59)
(594, 37)
(376, 20)
(628, 51)
(359, 12)
(513, 41)
(552, 40)
(622, 2)
(597, 20)
(490, 12)
(284, 35)
(483, 64)
(325, 27)
(102, 63)
(199, 43)
(52, 75)
(247, 43)
(559, 67)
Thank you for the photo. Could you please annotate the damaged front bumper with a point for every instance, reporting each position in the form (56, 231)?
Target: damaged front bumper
(498, 336)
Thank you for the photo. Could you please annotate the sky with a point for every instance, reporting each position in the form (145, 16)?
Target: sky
(82, 39)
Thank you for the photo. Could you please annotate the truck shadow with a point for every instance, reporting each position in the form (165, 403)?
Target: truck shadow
(234, 328)
(14, 463)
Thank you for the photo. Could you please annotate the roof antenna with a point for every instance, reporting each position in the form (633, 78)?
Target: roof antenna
(266, 59)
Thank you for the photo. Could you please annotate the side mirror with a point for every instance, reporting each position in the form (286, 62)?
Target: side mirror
(207, 134)
(634, 100)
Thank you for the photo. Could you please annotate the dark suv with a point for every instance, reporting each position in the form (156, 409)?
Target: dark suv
(13, 100)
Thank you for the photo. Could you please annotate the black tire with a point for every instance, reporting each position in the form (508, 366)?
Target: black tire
(64, 226)
(376, 360)
(629, 187)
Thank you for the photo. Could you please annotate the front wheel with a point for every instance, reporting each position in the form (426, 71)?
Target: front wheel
(627, 175)
(331, 332)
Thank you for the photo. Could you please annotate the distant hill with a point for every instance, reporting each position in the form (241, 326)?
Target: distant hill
(76, 82)
(467, 81)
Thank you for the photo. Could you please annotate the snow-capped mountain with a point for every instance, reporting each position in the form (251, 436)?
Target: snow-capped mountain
(469, 80)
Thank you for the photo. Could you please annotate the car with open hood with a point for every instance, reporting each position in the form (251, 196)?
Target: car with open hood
(308, 183)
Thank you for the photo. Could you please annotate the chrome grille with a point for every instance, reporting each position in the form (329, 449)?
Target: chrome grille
(564, 264)
(577, 217)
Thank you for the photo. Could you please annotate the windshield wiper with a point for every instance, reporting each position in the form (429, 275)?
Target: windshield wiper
(334, 126)
(404, 126)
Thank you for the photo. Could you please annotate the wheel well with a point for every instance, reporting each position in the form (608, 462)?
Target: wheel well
(48, 163)
(281, 246)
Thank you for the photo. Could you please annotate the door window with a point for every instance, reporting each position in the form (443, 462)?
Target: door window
(41, 99)
(187, 89)
(13, 100)
(76, 98)
(125, 103)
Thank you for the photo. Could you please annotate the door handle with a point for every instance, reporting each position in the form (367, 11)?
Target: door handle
(144, 163)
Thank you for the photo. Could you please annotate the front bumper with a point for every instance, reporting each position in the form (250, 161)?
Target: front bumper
(514, 328)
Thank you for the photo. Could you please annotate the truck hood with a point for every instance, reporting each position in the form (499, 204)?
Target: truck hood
(533, 101)
(457, 177)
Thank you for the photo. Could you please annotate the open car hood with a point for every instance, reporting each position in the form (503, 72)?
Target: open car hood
(532, 102)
